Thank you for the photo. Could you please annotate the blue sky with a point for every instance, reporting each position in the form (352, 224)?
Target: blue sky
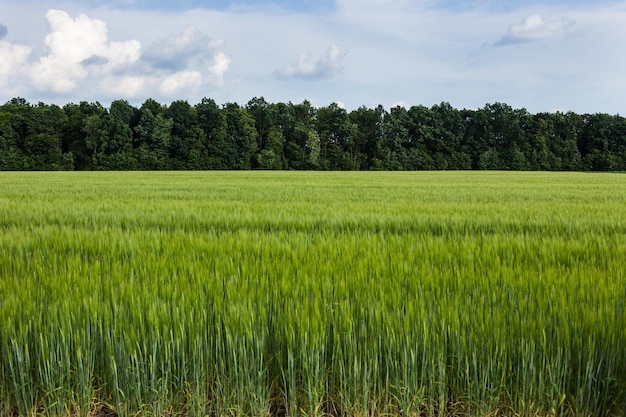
(306, 6)
(542, 56)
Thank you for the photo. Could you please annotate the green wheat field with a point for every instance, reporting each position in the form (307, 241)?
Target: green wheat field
(312, 294)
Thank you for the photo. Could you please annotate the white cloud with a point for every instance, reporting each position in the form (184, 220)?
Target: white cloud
(400, 103)
(325, 67)
(121, 55)
(177, 51)
(414, 50)
(176, 85)
(180, 83)
(75, 46)
(124, 86)
(79, 56)
(13, 57)
(221, 62)
(534, 27)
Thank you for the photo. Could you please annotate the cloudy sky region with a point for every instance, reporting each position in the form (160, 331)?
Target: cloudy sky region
(540, 55)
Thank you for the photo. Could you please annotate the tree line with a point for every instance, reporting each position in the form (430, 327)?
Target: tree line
(262, 135)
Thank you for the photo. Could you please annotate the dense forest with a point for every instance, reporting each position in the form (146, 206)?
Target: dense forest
(262, 135)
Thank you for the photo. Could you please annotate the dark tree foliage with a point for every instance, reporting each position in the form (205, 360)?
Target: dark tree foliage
(262, 135)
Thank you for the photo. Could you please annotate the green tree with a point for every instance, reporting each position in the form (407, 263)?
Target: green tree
(211, 119)
(183, 117)
(312, 148)
(39, 133)
(153, 139)
(338, 148)
(123, 111)
(448, 131)
(369, 130)
(391, 153)
(538, 137)
(73, 132)
(272, 157)
(242, 134)
(602, 142)
(490, 160)
(11, 153)
(302, 143)
(198, 151)
(563, 144)
(507, 135)
(111, 143)
(262, 113)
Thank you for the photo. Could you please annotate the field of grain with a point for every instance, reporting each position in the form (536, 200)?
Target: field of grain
(310, 294)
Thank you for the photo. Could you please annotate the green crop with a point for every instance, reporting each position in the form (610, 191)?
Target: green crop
(313, 294)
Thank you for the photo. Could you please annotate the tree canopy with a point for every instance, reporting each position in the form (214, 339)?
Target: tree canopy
(263, 135)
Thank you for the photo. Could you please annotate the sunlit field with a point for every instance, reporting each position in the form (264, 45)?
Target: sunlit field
(311, 294)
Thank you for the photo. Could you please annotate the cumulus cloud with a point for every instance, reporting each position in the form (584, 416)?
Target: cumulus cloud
(181, 83)
(13, 62)
(324, 68)
(79, 48)
(13, 58)
(177, 51)
(174, 85)
(534, 27)
(221, 62)
(172, 67)
(400, 103)
(127, 86)
(74, 46)
(95, 60)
